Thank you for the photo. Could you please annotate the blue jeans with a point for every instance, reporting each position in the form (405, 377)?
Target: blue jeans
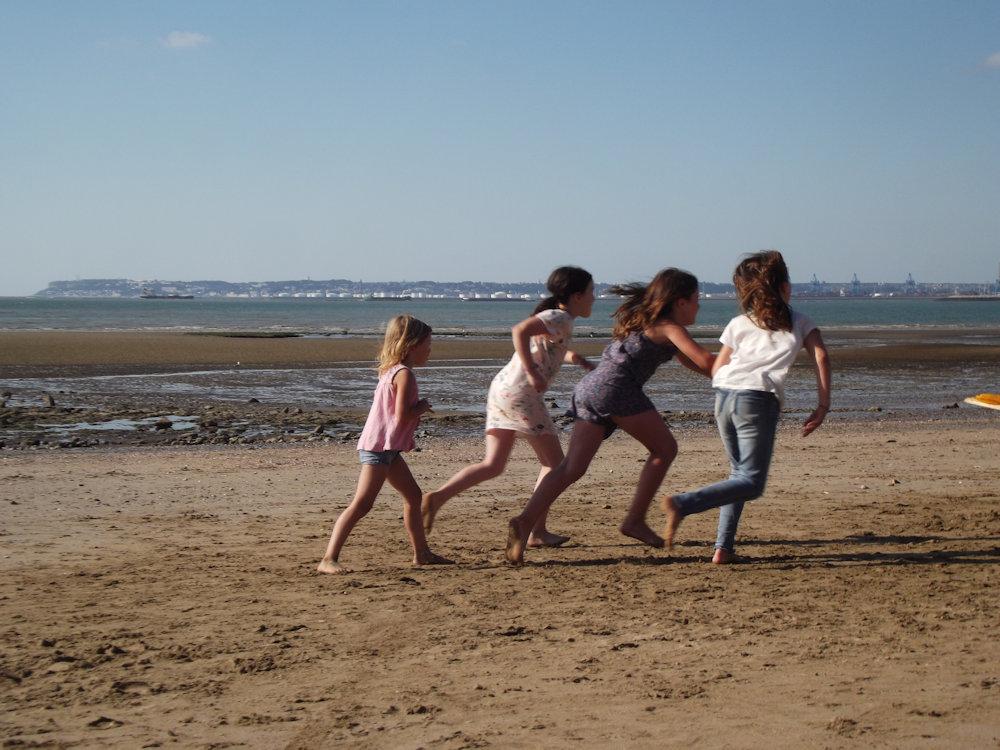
(748, 421)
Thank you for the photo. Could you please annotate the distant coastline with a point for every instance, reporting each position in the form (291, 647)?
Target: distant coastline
(467, 290)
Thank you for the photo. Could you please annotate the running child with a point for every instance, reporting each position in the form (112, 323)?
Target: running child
(758, 348)
(514, 406)
(650, 329)
(387, 434)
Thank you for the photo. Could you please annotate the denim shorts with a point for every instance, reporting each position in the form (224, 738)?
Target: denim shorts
(377, 458)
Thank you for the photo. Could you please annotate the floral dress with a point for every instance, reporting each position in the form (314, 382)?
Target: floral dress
(512, 403)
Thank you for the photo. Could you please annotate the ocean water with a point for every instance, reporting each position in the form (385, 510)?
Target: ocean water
(335, 316)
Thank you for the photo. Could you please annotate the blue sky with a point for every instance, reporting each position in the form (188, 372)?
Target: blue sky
(494, 141)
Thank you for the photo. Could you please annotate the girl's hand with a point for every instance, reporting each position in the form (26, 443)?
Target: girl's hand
(535, 378)
(573, 358)
(821, 360)
(422, 406)
(815, 419)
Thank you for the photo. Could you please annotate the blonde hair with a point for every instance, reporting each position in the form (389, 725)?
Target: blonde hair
(646, 303)
(758, 280)
(401, 334)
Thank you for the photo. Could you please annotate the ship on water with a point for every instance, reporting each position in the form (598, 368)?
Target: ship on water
(148, 293)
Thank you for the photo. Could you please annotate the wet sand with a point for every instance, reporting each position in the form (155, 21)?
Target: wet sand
(82, 353)
(166, 597)
(48, 353)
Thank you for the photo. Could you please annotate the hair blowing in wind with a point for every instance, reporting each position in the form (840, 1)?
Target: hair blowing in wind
(646, 303)
(759, 279)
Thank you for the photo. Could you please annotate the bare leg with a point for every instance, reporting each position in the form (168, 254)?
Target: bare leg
(499, 444)
(674, 519)
(370, 482)
(550, 454)
(583, 446)
(403, 482)
(650, 430)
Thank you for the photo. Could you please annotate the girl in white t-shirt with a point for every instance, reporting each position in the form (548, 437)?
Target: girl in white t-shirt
(514, 405)
(758, 348)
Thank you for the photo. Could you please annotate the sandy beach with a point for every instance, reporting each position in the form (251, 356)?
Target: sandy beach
(165, 595)
(39, 353)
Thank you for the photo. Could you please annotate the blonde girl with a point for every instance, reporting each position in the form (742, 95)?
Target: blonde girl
(650, 329)
(758, 348)
(514, 406)
(387, 434)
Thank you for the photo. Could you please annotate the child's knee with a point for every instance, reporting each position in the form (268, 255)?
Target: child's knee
(492, 469)
(753, 484)
(757, 486)
(665, 453)
(362, 506)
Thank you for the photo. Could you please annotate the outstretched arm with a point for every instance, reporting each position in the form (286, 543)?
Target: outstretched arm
(690, 353)
(686, 361)
(821, 361)
(572, 358)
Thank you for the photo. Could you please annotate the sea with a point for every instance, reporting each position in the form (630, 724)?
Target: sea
(320, 316)
(461, 385)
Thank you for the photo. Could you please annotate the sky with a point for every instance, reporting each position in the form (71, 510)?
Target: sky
(493, 141)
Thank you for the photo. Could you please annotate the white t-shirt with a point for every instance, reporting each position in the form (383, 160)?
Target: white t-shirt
(761, 358)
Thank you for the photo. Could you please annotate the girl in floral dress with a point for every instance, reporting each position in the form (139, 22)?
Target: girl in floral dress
(515, 406)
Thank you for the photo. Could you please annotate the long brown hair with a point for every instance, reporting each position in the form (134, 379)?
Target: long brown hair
(646, 303)
(563, 283)
(758, 280)
(401, 334)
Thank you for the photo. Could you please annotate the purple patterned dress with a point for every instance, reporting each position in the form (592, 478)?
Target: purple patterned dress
(614, 387)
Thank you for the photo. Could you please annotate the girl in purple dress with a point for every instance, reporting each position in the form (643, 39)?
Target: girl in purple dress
(650, 329)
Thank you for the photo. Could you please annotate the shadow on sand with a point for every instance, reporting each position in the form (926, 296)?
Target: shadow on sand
(855, 554)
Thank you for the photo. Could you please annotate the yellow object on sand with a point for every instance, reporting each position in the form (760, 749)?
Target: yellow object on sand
(989, 400)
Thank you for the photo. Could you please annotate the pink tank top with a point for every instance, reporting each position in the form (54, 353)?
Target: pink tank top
(382, 432)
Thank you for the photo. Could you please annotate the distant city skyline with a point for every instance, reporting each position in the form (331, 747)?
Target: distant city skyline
(419, 288)
(495, 141)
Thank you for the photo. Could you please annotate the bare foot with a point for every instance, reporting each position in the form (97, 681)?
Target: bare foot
(331, 567)
(674, 519)
(723, 556)
(514, 553)
(429, 558)
(428, 509)
(643, 533)
(546, 539)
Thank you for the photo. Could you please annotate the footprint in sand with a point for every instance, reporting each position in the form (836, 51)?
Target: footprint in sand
(133, 687)
(104, 722)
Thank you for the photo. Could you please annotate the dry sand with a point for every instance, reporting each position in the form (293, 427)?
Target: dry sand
(167, 598)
